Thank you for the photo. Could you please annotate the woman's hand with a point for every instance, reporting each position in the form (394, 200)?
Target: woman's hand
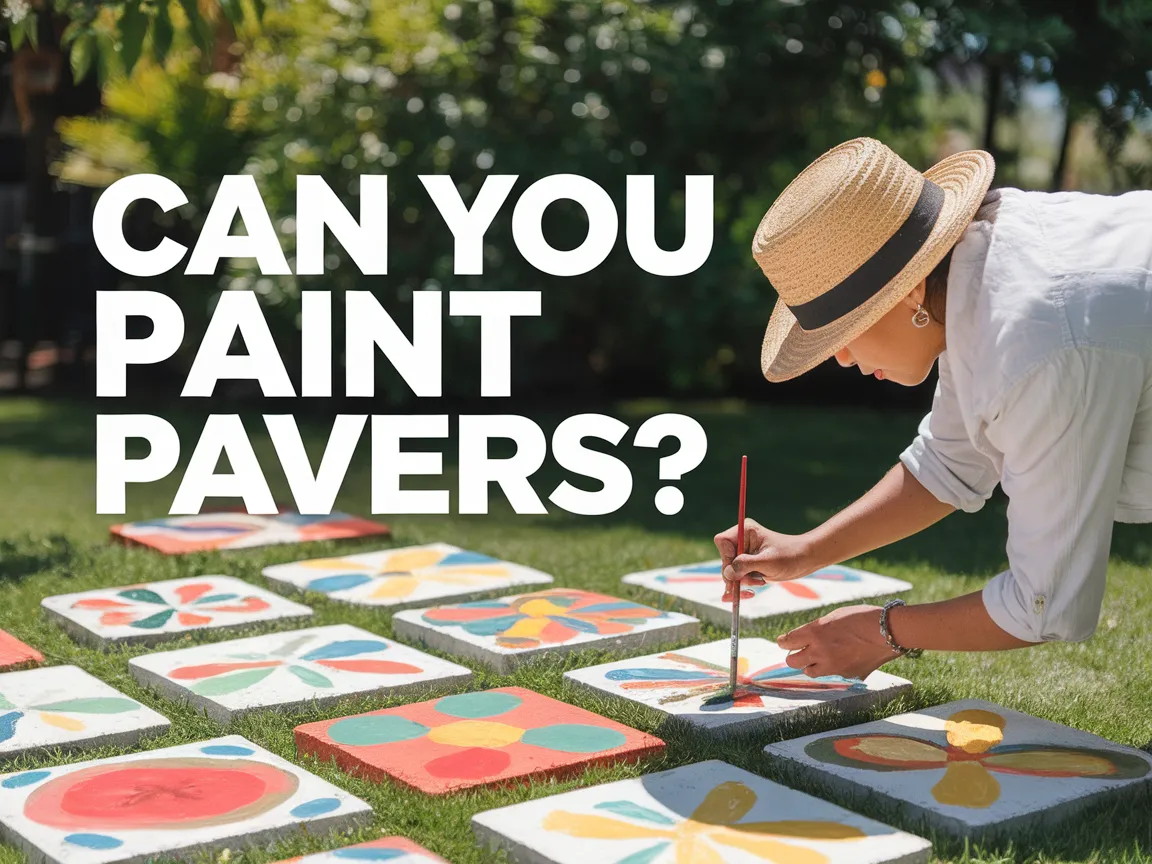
(845, 642)
(769, 557)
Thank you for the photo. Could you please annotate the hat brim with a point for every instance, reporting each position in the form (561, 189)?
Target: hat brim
(789, 351)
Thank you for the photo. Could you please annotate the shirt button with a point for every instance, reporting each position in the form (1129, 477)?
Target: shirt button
(1038, 604)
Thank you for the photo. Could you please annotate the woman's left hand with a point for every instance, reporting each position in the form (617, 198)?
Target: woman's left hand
(845, 642)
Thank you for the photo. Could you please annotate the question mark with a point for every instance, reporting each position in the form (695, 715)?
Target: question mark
(693, 446)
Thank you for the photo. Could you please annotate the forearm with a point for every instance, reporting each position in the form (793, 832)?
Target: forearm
(895, 508)
(960, 624)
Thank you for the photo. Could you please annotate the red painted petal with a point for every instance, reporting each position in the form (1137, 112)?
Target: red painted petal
(248, 604)
(188, 593)
(99, 603)
(371, 667)
(117, 619)
(210, 670)
(473, 763)
(190, 620)
(798, 590)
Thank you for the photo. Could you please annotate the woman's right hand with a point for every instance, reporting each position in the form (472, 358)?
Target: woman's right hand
(769, 557)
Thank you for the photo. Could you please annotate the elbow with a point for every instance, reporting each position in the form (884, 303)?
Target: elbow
(1073, 630)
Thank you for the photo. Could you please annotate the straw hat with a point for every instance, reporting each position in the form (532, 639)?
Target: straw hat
(850, 238)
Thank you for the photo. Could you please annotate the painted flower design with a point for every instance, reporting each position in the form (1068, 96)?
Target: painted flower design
(714, 827)
(194, 605)
(67, 714)
(178, 534)
(299, 657)
(973, 754)
(699, 678)
(544, 617)
(710, 572)
(400, 573)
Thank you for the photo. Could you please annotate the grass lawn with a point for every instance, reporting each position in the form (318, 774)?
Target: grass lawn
(803, 465)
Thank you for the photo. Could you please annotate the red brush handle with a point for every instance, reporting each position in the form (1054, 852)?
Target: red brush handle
(735, 659)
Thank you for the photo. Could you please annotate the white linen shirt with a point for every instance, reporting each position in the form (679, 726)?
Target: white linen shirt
(1046, 387)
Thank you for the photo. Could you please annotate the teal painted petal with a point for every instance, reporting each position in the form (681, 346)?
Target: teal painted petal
(474, 706)
(375, 729)
(231, 683)
(154, 622)
(574, 738)
(18, 781)
(644, 856)
(312, 679)
(226, 750)
(314, 808)
(8, 724)
(214, 598)
(4, 703)
(94, 841)
(635, 811)
(143, 595)
(345, 648)
(92, 705)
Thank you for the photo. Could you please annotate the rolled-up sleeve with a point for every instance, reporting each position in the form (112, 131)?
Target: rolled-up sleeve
(942, 457)
(1064, 434)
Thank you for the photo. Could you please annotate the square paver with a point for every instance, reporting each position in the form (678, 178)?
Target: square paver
(155, 611)
(65, 707)
(492, 737)
(285, 671)
(179, 801)
(510, 630)
(689, 686)
(701, 586)
(406, 577)
(14, 654)
(394, 850)
(177, 535)
(707, 812)
(971, 767)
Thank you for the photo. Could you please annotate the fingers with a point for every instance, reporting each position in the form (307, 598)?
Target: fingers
(799, 659)
(730, 593)
(796, 639)
(726, 540)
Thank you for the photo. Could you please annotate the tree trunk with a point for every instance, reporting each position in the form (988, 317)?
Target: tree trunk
(1061, 167)
(993, 89)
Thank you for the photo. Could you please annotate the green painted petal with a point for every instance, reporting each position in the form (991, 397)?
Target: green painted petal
(153, 622)
(143, 595)
(4, 703)
(312, 679)
(574, 738)
(231, 683)
(635, 811)
(91, 705)
(369, 730)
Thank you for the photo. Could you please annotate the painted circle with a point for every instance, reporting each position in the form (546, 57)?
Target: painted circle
(476, 706)
(475, 763)
(475, 733)
(375, 729)
(575, 738)
(162, 794)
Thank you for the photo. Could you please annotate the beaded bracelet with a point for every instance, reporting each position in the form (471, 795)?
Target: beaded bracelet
(910, 653)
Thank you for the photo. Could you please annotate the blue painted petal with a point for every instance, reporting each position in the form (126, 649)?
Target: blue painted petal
(341, 582)
(702, 568)
(576, 624)
(94, 841)
(8, 724)
(226, 750)
(456, 559)
(345, 648)
(316, 807)
(611, 607)
(17, 781)
(658, 675)
(836, 574)
(368, 854)
(644, 856)
(773, 674)
(214, 598)
(635, 811)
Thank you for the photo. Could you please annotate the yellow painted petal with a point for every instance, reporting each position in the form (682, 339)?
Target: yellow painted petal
(742, 666)
(61, 722)
(527, 628)
(802, 829)
(974, 730)
(447, 577)
(406, 562)
(475, 570)
(1051, 761)
(770, 850)
(475, 733)
(600, 827)
(395, 586)
(892, 749)
(333, 564)
(694, 849)
(541, 608)
(967, 784)
(727, 803)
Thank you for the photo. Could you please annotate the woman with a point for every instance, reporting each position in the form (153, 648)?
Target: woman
(1039, 310)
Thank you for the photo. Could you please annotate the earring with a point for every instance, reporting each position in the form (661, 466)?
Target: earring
(920, 318)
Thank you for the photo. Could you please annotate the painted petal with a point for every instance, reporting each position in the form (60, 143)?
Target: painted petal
(211, 670)
(310, 677)
(878, 752)
(577, 624)
(1038, 761)
(153, 622)
(463, 613)
(618, 610)
(635, 811)
(835, 574)
(338, 582)
(527, 628)
(62, 722)
(190, 620)
(798, 590)
(287, 649)
(230, 683)
(333, 564)
(967, 784)
(117, 619)
(100, 603)
(456, 559)
(974, 730)
(645, 856)
(727, 803)
(4, 703)
(703, 568)
(216, 598)
(484, 570)
(345, 648)
(675, 675)
(92, 705)
(372, 667)
(695, 663)
(694, 849)
(143, 595)
(248, 604)
(801, 829)
(406, 562)
(599, 827)
(8, 724)
(394, 586)
(769, 850)
(189, 593)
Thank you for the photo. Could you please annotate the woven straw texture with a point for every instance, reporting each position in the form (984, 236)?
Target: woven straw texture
(831, 219)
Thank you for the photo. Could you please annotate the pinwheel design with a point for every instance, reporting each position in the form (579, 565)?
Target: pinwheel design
(204, 531)
(710, 572)
(399, 574)
(194, 605)
(973, 754)
(549, 617)
(701, 839)
(699, 678)
(299, 657)
(61, 713)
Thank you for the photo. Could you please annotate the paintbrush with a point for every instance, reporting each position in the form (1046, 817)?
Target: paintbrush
(729, 695)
